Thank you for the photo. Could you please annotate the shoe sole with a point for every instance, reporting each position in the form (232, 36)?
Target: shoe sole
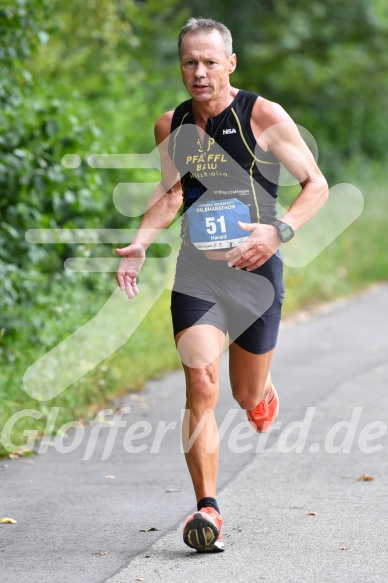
(202, 535)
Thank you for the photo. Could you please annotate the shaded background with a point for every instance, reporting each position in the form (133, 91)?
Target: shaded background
(93, 77)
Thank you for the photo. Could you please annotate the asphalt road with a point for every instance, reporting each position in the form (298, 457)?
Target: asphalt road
(293, 505)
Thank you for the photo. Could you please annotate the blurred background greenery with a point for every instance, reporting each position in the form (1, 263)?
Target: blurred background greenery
(93, 76)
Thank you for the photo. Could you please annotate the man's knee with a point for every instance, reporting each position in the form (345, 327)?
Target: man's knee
(247, 402)
(202, 384)
(248, 396)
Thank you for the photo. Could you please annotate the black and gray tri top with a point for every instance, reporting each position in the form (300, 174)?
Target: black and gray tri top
(225, 176)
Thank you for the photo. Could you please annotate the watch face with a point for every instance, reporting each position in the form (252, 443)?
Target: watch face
(287, 232)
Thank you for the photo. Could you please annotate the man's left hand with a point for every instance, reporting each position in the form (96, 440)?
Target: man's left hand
(260, 246)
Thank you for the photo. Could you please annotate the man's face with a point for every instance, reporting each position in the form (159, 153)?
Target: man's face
(205, 67)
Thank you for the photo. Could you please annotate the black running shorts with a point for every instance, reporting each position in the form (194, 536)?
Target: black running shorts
(246, 305)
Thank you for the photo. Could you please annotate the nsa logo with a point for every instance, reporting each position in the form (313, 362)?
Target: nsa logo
(233, 131)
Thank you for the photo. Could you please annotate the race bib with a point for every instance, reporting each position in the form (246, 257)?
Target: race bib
(213, 224)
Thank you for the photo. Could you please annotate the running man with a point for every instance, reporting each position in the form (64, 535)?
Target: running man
(220, 156)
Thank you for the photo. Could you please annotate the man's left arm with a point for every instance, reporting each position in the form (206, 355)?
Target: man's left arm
(282, 138)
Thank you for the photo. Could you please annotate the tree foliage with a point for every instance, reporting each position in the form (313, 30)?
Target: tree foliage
(36, 190)
(324, 61)
(72, 80)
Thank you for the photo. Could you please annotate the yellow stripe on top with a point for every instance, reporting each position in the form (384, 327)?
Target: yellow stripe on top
(246, 145)
(254, 159)
(176, 133)
(254, 191)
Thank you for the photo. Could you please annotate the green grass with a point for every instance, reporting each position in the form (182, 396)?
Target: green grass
(148, 353)
(354, 260)
(357, 258)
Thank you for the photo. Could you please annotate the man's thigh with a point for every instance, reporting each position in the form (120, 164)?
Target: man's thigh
(199, 346)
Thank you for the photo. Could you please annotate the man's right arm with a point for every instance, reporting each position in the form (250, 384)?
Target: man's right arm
(161, 210)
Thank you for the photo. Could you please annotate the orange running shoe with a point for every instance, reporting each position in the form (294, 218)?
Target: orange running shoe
(263, 416)
(202, 531)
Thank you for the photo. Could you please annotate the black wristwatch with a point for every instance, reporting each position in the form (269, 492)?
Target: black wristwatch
(285, 232)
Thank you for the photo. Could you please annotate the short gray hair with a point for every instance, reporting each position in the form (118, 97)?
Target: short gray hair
(206, 25)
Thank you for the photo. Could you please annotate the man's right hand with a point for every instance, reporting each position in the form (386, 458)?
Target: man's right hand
(132, 260)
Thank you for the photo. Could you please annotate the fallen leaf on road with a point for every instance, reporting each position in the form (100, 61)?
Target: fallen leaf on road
(100, 553)
(137, 398)
(24, 451)
(104, 420)
(312, 513)
(148, 529)
(365, 478)
(19, 453)
(8, 521)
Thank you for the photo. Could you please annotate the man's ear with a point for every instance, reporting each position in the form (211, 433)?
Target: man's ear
(232, 63)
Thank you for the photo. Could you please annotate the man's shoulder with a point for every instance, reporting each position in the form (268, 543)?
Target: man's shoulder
(163, 125)
(269, 112)
(165, 119)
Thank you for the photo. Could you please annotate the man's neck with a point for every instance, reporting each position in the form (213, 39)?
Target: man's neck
(203, 110)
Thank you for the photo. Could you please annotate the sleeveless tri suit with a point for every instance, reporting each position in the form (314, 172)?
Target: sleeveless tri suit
(225, 177)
